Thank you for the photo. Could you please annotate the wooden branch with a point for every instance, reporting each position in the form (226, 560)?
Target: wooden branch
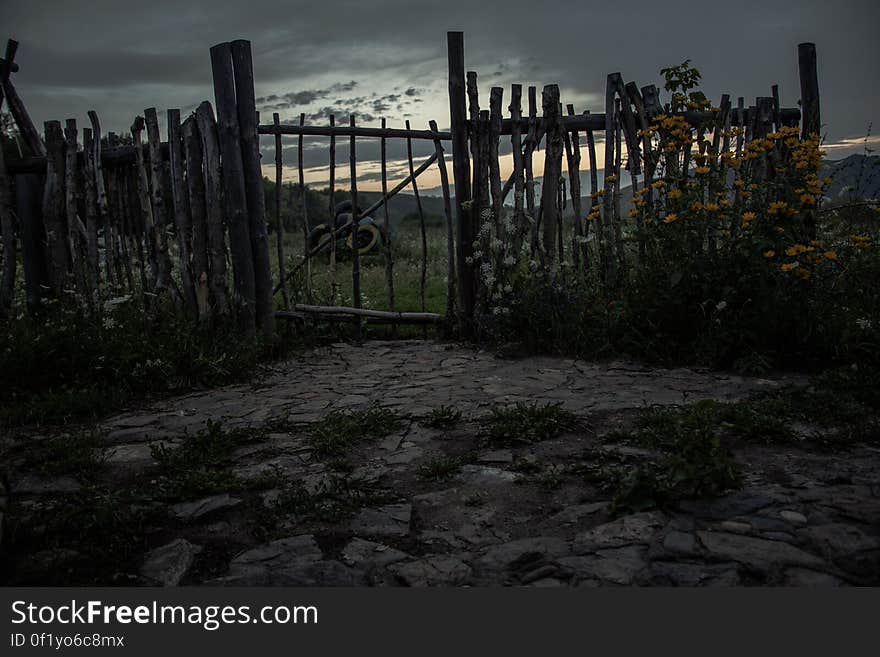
(332, 213)
(389, 258)
(355, 254)
(398, 317)
(53, 208)
(447, 208)
(348, 131)
(303, 204)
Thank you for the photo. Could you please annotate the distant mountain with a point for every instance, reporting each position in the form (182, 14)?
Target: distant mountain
(857, 176)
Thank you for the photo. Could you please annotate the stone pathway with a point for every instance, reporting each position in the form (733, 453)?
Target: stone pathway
(802, 518)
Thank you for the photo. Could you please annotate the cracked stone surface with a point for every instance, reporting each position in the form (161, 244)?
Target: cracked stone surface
(802, 517)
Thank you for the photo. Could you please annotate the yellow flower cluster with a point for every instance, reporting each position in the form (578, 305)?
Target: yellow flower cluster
(797, 249)
(861, 241)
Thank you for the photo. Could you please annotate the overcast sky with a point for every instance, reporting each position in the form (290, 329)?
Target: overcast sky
(387, 58)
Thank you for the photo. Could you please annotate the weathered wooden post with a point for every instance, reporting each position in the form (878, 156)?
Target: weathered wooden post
(811, 121)
(243, 69)
(234, 193)
(215, 241)
(461, 179)
(53, 207)
(279, 226)
(182, 216)
(195, 186)
(355, 255)
(7, 230)
(552, 172)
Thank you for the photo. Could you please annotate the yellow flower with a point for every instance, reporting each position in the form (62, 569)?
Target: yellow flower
(797, 249)
(803, 274)
(633, 213)
(749, 216)
(702, 170)
(674, 194)
(780, 230)
(658, 184)
(831, 255)
(669, 218)
(776, 206)
(789, 266)
(611, 178)
(712, 207)
(770, 254)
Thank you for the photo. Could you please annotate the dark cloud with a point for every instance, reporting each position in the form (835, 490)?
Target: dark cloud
(120, 56)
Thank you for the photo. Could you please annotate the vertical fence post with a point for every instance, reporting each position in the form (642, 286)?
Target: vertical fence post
(232, 171)
(355, 218)
(552, 172)
(811, 120)
(461, 177)
(243, 71)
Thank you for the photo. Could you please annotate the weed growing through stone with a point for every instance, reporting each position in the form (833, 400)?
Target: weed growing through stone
(528, 423)
(196, 467)
(442, 417)
(335, 434)
(334, 499)
(80, 455)
(440, 468)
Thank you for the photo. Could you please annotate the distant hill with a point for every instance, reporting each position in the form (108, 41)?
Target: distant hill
(856, 176)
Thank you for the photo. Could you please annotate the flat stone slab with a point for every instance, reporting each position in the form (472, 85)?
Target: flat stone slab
(390, 520)
(167, 565)
(757, 552)
(438, 570)
(204, 506)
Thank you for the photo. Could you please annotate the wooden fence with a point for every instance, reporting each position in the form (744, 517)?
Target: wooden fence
(184, 220)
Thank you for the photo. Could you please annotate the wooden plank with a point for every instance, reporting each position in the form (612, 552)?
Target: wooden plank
(234, 193)
(450, 242)
(195, 187)
(809, 79)
(71, 206)
(157, 201)
(279, 226)
(355, 255)
(214, 213)
(552, 173)
(573, 160)
(532, 140)
(180, 205)
(91, 207)
(243, 70)
(515, 109)
(461, 179)
(7, 232)
(609, 255)
(58, 260)
(496, 95)
(28, 208)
